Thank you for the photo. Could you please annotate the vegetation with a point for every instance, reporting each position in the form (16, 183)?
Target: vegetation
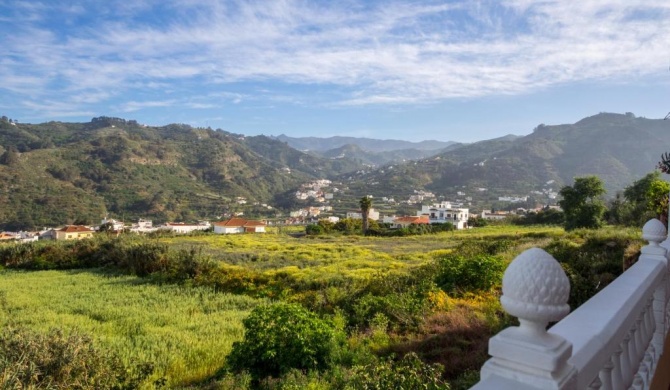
(282, 337)
(644, 199)
(178, 336)
(582, 203)
(62, 172)
(346, 305)
(57, 361)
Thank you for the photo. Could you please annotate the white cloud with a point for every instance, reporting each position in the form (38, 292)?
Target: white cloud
(135, 106)
(387, 52)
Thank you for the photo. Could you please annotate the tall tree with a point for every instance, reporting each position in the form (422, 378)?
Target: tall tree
(649, 198)
(582, 203)
(366, 204)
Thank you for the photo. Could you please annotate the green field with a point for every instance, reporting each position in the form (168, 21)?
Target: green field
(185, 332)
(183, 318)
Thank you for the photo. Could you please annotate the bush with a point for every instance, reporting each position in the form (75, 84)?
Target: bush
(314, 230)
(281, 337)
(408, 373)
(57, 361)
(458, 274)
(402, 299)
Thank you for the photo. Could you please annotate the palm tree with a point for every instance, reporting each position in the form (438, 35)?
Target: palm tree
(366, 204)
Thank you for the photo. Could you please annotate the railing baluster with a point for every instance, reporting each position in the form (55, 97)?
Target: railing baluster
(638, 343)
(626, 366)
(596, 384)
(638, 383)
(649, 334)
(617, 372)
(647, 363)
(605, 374)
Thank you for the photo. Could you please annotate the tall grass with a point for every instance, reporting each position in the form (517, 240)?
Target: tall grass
(185, 332)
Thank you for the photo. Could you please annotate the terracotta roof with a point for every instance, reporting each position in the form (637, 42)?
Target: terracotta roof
(237, 222)
(75, 229)
(416, 219)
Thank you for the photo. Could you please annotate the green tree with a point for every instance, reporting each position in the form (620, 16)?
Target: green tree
(582, 203)
(657, 199)
(366, 205)
(646, 198)
(281, 337)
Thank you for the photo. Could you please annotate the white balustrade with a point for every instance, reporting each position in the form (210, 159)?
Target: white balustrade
(613, 341)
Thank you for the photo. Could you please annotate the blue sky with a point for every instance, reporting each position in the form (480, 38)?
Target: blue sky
(413, 70)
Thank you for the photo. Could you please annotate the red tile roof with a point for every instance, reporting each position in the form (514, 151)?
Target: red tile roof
(239, 222)
(417, 219)
(75, 229)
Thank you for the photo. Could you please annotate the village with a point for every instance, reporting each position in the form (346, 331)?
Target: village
(320, 192)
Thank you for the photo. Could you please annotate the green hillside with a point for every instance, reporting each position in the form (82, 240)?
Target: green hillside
(618, 148)
(54, 173)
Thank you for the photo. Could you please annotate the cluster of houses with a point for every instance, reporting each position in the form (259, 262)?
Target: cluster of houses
(78, 232)
(316, 190)
(429, 214)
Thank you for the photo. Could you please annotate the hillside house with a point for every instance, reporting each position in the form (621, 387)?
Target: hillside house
(403, 222)
(115, 225)
(446, 212)
(7, 236)
(183, 228)
(239, 225)
(143, 226)
(373, 214)
(495, 216)
(74, 232)
(28, 236)
(47, 234)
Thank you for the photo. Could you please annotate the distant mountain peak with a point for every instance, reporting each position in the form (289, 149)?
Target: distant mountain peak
(367, 144)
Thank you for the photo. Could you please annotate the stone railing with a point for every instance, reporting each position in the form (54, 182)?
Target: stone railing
(613, 341)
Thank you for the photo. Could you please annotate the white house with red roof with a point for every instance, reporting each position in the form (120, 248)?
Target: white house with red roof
(239, 225)
(403, 222)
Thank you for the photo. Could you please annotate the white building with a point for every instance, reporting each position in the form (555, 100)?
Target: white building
(239, 225)
(185, 227)
(373, 215)
(445, 212)
(143, 226)
(116, 225)
(495, 216)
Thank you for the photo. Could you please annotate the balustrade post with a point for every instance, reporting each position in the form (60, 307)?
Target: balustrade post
(536, 290)
(654, 231)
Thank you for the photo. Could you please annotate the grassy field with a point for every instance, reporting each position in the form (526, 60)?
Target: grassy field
(185, 332)
(323, 257)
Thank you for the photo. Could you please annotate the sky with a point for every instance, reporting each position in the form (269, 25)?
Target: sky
(413, 70)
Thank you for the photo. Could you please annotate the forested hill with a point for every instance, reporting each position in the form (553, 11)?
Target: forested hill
(616, 147)
(58, 172)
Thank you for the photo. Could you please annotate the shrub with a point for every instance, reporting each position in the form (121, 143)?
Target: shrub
(314, 230)
(401, 298)
(59, 361)
(281, 337)
(408, 373)
(458, 274)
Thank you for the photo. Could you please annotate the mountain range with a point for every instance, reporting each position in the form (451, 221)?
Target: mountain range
(619, 148)
(57, 172)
